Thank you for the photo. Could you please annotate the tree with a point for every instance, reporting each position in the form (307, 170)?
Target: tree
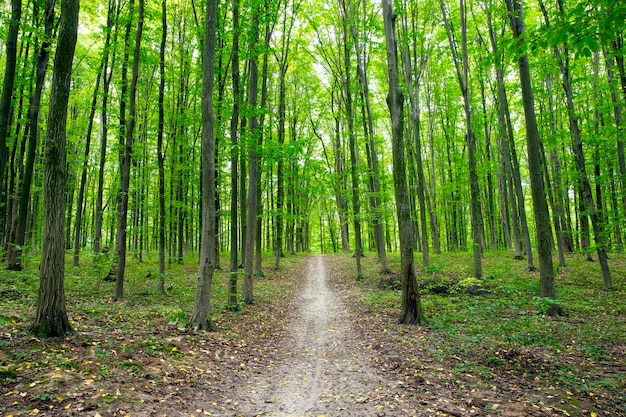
(17, 239)
(51, 317)
(7, 97)
(562, 58)
(127, 129)
(533, 144)
(253, 159)
(411, 303)
(234, 156)
(461, 65)
(201, 315)
(160, 156)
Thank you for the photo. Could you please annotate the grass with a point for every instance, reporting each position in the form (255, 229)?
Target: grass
(119, 348)
(496, 328)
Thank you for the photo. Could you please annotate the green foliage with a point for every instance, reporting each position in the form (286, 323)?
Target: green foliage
(506, 328)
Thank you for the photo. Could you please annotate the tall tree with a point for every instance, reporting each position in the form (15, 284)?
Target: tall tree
(354, 161)
(562, 57)
(107, 74)
(533, 145)
(51, 317)
(411, 303)
(254, 157)
(201, 315)
(160, 156)
(7, 97)
(126, 152)
(14, 252)
(461, 65)
(234, 156)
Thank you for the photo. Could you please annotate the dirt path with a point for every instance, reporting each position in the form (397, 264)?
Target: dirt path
(326, 370)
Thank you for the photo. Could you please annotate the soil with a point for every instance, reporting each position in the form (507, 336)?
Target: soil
(324, 367)
(318, 353)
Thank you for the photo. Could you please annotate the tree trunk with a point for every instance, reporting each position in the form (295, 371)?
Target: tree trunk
(51, 317)
(201, 315)
(462, 70)
(540, 206)
(106, 83)
(253, 163)
(411, 303)
(368, 127)
(356, 199)
(160, 157)
(414, 100)
(577, 148)
(234, 155)
(14, 252)
(126, 144)
(6, 99)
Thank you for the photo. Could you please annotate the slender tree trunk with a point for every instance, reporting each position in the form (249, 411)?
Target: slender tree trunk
(577, 147)
(51, 317)
(462, 70)
(106, 74)
(83, 176)
(201, 315)
(414, 99)
(160, 157)
(368, 127)
(356, 199)
(126, 155)
(14, 253)
(6, 99)
(540, 206)
(253, 164)
(411, 303)
(234, 155)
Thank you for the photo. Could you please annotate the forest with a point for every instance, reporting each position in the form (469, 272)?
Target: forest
(197, 153)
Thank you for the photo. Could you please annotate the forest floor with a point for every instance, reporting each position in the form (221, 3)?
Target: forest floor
(319, 343)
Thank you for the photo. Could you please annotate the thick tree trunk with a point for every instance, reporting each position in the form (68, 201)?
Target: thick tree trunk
(201, 315)
(411, 304)
(51, 317)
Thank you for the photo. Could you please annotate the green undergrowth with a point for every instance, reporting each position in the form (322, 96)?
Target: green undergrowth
(497, 326)
(146, 335)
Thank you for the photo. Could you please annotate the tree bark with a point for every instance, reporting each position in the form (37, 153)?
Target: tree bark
(106, 83)
(577, 148)
(51, 317)
(411, 303)
(253, 164)
(126, 146)
(356, 199)
(462, 71)
(201, 315)
(234, 156)
(533, 143)
(14, 252)
(6, 99)
(160, 157)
